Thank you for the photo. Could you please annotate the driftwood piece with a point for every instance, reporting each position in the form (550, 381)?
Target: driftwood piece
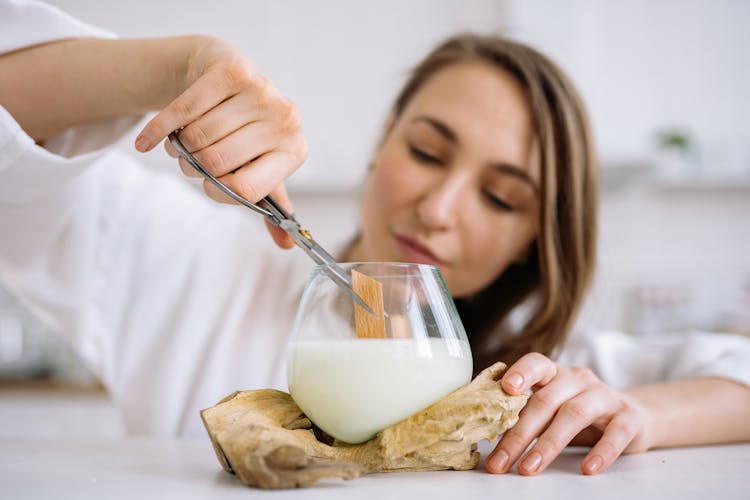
(266, 440)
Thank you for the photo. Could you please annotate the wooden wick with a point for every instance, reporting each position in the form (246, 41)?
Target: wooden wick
(369, 326)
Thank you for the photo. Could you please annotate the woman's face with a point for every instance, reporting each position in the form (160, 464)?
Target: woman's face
(455, 181)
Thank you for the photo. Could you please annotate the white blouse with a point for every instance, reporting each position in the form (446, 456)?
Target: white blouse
(175, 301)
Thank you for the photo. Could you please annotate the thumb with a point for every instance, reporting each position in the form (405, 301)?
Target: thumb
(280, 236)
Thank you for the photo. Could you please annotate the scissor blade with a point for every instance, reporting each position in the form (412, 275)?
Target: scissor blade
(338, 274)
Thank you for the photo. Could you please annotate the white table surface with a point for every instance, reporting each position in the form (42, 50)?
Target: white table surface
(131, 468)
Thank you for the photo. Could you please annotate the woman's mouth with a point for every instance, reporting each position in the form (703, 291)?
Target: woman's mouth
(413, 251)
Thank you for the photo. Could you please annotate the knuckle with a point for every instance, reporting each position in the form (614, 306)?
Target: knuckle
(627, 425)
(576, 410)
(249, 192)
(212, 159)
(264, 90)
(236, 74)
(608, 449)
(537, 357)
(515, 438)
(545, 401)
(292, 116)
(183, 109)
(584, 374)
(245, 186)
(549, 446)
(194, 137)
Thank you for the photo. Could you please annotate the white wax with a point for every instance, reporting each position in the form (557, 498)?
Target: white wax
(352, 389)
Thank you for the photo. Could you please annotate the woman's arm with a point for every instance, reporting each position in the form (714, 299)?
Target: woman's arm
(51, 87)
(572, 406)
(230, 117)
(695, 412)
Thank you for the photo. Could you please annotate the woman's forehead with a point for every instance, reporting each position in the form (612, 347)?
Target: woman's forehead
(483, 105)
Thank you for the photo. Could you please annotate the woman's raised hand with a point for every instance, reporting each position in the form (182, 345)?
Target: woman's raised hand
(235, 122)
(568, 406)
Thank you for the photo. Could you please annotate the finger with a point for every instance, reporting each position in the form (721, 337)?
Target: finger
(258, 178)
(171, 151)
(187, 169)
(533, 420)
(208, 91)
(574, 415)
(532, 369)
(617, 435)
(280, 236)
(219, 122)
(217, 194)
(238, 148)
(281, 196)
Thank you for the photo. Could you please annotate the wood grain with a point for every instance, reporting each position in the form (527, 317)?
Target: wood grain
(264, 438)
(369, 326)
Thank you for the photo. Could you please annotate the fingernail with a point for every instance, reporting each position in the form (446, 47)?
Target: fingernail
(532, 462)
(594, 464)
(514, 380)
(497, 461)
(141, 143)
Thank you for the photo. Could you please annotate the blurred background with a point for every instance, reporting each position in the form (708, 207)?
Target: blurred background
(665, 82)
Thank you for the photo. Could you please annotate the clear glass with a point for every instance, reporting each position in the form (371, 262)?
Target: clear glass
(354, 387)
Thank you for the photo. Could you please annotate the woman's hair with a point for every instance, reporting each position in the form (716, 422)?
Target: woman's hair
(552, 281)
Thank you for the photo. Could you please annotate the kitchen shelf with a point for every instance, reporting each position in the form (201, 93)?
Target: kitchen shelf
(642, 176)
(704, 184)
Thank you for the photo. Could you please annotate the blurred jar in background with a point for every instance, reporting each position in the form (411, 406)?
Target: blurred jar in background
(29, 350)
(664, 307)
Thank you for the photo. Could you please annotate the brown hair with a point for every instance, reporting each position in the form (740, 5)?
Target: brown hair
(552, 282)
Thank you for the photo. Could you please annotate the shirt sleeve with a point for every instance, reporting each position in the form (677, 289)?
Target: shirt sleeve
(623, 360)
(50, 221)
(174, 301)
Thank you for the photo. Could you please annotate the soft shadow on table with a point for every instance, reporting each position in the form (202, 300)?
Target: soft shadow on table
(569, 462)
(224, 479)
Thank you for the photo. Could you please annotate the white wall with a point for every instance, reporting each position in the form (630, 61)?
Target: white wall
(645, 65)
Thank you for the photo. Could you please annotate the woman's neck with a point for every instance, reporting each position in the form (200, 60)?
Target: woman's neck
(353, 251)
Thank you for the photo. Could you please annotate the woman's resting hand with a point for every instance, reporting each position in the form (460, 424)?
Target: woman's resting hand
(237, 125)
(569, 406)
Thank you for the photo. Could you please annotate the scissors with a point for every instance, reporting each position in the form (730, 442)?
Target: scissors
(276, 214)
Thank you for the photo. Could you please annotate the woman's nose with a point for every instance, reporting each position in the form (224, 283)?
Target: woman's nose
(438, 208)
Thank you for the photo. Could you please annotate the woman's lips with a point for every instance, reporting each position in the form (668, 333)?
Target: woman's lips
(413, 251)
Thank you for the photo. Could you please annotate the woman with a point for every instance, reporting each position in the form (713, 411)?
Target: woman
(485, 168)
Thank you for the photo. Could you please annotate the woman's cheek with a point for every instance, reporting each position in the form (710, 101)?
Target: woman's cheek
(391, 181)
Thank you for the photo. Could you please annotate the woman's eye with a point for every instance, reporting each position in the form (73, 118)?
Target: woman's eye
(424, 157)
(498, 203)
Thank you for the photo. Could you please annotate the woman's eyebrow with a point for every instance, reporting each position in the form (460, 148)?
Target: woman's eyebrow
(439, 126)
(502, 167)
(517, 172)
